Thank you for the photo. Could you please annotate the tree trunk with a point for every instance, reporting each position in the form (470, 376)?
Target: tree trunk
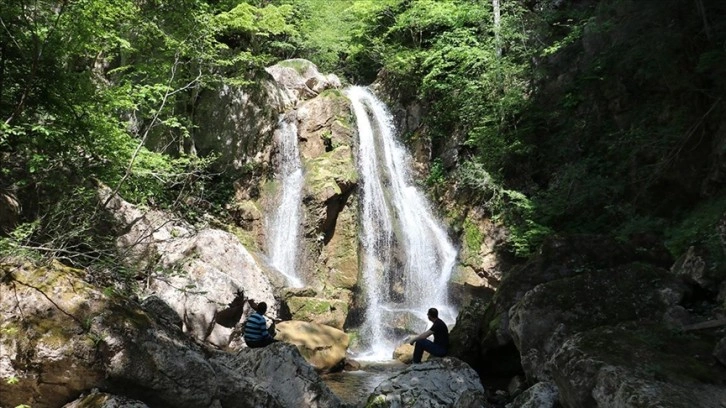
(497, 26)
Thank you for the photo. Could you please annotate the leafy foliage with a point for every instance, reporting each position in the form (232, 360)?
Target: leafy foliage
(84, 85)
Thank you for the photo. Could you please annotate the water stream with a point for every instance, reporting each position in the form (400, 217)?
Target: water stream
(283, 225)
(406, 258)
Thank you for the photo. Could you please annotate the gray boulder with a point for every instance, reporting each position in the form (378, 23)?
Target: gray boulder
(196, 272)
(445, 382)
(551, 312)
(278, 376)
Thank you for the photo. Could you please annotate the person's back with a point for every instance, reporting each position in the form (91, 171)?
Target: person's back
(255, 333)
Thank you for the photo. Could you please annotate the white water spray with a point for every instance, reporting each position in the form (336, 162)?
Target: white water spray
(407, 258)
(283, 226)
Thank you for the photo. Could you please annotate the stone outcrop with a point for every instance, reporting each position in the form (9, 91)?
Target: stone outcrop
(301, 79)
(324, 347)
(195, 272)
(279, 375)
(45, 319)
(330, 228)
(62, 338)
(442, 382)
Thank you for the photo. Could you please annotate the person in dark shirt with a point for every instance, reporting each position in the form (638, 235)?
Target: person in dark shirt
(256, 333)
(440, 346)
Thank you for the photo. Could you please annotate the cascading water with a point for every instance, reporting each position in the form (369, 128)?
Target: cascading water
(407, 257)
(283, 226)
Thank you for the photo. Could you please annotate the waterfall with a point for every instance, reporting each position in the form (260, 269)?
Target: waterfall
(406, 257)
(283, 226)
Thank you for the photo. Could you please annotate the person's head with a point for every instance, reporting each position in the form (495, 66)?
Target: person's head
(262, 308)
(433, 314)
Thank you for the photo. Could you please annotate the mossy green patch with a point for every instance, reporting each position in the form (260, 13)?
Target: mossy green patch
(473, 237)
(299, 65)
(331, 169)
(332, 93)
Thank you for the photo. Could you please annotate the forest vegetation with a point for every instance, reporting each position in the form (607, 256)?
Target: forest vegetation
(566, 116)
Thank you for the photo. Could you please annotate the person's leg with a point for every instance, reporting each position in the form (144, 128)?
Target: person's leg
(268, 341)
(435, 350)
(419, 347)
(254, 344)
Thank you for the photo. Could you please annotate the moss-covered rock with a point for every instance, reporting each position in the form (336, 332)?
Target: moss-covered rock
(48, 352)
(330, 312)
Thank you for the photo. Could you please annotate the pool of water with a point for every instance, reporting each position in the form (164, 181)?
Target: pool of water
(354, 387)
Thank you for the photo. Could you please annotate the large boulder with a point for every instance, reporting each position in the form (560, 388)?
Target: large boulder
(540, 395)
(196, 272)
(278, 372)
(324, 347)
(62, 337)
(442, 382)
(48, 354)
(483, 331)
(633, 364)
(553, 311)
(9, 212)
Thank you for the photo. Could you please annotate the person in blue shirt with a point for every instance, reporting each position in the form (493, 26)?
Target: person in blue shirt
(256, 333)
(440, 346)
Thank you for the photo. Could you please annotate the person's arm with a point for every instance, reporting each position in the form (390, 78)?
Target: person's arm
(421, 336)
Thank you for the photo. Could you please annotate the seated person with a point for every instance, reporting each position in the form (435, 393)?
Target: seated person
(439, 347)
(256, 333)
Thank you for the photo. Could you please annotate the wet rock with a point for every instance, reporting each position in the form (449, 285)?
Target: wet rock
(442, 382)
